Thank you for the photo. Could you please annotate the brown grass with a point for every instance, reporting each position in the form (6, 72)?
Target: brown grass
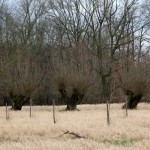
(21, 132)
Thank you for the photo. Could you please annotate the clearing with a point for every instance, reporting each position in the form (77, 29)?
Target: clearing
(20, 132)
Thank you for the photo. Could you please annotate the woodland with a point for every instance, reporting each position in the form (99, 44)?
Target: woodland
(75, 52)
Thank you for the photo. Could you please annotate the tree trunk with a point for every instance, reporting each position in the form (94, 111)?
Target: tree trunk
(71, 107)
(18, 101)
(132, 101)
(75, 99)
(72, 102)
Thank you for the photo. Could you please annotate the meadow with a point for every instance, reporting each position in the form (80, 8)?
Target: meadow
(86, 129)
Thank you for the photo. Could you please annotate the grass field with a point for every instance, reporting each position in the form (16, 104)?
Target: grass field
(20, 132)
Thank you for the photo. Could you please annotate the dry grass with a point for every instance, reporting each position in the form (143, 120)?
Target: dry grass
(21, 132)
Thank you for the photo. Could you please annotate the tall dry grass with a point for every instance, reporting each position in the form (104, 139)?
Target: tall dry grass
(39, 132)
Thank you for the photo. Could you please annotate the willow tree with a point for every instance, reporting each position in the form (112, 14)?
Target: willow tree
(21, 76)
(135, 83)
(70, 75)
(73, 89)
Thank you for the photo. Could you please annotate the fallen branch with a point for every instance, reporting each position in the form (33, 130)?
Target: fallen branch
(75, 134)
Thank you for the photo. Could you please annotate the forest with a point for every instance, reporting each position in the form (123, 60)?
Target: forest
(75, 52)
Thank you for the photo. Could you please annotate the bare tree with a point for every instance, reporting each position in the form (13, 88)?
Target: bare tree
(97, 37)
(71, 79)
(135, 83)
(21, 76)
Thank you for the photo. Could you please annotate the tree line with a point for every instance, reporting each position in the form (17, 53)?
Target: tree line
(76, 50)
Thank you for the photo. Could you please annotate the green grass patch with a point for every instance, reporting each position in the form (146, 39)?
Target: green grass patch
(118, 142)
